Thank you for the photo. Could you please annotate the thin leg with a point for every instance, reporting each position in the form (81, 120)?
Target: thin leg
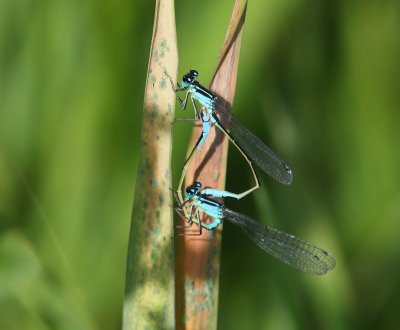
(183, 103)
(182, 216)
(196, 111)
(197, 221)
(179, 89)
(181, 213)
(211, 226)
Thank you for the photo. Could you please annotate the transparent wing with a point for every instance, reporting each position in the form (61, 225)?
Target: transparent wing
(287, 248)
(254, 148)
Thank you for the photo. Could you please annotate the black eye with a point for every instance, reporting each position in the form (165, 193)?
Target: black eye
(187, 79)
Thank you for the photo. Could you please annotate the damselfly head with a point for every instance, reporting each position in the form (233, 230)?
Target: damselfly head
(189, 78)
(193, 189)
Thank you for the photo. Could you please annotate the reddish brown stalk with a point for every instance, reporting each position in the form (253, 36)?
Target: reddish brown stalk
(197, 268)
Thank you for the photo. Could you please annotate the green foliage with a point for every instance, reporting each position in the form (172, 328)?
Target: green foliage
(318, 81)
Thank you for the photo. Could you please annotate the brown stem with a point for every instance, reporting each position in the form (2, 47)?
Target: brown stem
(198, 257)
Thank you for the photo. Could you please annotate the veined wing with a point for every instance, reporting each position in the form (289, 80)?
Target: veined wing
(287, 248)
(254, 148)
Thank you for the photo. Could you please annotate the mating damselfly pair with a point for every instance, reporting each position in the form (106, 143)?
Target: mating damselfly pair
(287, 248)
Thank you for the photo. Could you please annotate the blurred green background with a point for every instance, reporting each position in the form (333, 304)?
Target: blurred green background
(318, 81)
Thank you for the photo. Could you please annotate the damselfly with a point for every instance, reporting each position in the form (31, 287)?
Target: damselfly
(287, 248)
(215, 112)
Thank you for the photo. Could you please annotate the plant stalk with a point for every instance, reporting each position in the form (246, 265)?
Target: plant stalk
(198, 258)
(149, 290)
